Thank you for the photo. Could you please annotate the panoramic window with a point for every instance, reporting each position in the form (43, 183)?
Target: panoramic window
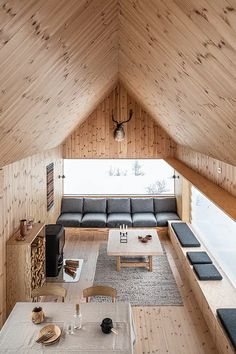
(118, 177)
(217, 231)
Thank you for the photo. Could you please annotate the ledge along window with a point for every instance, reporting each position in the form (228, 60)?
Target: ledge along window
(118, 177)
(217, 231)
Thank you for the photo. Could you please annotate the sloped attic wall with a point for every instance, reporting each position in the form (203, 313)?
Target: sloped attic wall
(178, 57)
(57, 60)
(94, 137)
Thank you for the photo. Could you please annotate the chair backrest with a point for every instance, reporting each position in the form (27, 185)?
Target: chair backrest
(99, 290)
(47, 290)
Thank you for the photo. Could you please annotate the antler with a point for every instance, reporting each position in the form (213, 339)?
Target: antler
(114, 119)
(130, 116)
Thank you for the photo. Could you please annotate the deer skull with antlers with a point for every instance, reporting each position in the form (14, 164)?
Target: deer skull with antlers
(119, 133)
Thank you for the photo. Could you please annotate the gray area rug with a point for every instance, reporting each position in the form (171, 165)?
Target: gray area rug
(137, 285)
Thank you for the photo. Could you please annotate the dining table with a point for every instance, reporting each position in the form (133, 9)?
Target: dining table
(19, 333)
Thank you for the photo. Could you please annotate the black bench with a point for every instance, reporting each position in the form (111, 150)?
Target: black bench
(207, 272)
(227, 318)
(198, 257)
(185, 235)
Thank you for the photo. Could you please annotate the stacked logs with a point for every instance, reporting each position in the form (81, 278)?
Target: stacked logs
(37, 262)
(70, 267)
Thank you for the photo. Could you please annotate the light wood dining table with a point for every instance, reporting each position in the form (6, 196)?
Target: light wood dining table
(19, 333)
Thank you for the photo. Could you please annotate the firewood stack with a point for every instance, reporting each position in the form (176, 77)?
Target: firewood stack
(70, 267)
(37, 263)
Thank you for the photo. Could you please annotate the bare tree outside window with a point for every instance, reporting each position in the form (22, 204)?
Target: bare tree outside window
(137, 169)
(158, 187)
(116, 172)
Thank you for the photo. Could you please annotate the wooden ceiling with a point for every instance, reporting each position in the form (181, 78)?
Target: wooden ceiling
(58, 59)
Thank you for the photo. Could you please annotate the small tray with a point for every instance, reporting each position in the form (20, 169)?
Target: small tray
(50, 327)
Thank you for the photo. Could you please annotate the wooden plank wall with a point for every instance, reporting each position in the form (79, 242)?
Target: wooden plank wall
(23, 194)
(208, 167)
(94, 138)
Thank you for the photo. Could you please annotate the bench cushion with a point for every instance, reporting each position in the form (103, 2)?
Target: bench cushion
(95, 205)
(185, 235)
(70, 219)
(162, 205)
(94, 220)
(227, 317)
(198, 258)
(117, 219)
(162, 218)
(207, 272)
(118, 205)
(72, 205)
(142, 205)
(144, 220)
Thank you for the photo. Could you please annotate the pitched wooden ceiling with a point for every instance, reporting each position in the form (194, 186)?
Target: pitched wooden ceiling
(59, 57)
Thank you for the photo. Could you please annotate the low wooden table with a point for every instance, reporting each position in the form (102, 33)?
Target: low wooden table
(133, 247)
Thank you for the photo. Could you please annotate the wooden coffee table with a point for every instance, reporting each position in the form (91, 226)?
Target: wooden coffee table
(133, 247)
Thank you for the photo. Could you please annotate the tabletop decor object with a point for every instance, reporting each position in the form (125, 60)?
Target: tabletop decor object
(123, 234)
(78, 317)
(107, 325)
(38, 315)
(23, 230)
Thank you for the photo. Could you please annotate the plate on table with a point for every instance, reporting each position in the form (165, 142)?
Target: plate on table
(50, 327)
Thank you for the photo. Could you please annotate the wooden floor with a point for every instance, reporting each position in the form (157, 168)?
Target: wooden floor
(160, 329)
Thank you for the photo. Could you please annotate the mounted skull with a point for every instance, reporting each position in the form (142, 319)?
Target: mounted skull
(119, 133)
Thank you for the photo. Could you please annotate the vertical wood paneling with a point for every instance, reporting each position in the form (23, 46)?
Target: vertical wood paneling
(94, 137)
(208, 167)
(23, 194)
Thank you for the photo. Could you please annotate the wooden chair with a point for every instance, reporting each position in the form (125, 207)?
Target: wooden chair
(49, 290)
(100, 290)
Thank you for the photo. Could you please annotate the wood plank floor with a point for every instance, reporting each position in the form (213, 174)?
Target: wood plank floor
(160, 329)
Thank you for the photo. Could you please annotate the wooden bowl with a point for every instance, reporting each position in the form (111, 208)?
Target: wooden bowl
(148, 237)
(144, 240)
(50, 327)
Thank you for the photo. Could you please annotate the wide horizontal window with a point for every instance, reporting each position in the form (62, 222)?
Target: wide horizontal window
(217, 231)
(118, 177)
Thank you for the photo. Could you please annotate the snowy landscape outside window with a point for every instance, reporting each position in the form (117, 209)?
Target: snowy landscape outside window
(118, 177)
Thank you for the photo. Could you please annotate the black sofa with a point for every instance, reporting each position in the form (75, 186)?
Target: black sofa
(113, 212)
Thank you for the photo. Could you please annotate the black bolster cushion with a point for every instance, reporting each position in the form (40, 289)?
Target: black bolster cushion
(207, 272)
(227, 318)
(185, 235)
(198, 258)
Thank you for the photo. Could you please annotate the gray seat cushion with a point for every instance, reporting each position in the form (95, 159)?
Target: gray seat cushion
(167, 204)
(142, 205)
(72, 205)
(198, 258)
(117, 219)
(94, 220)
(207, 272)
(162, 218)
(185, 235)
(70, 219)
(95, 205)
(144, 220)
(227, 317)
(118, 205)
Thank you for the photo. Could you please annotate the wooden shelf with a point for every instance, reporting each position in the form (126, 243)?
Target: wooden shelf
(223, 199)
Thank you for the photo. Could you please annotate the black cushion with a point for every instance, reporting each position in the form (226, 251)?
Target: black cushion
(118, 205)
(72, 205)
(162, 218)
(198, 258)
(167, 204)
(227, 317)
(207, 272)
(142, 205)
(117, 219)
(70, 219)
(185, 235)
(94, 220)
(144, 220)
(95, 205)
